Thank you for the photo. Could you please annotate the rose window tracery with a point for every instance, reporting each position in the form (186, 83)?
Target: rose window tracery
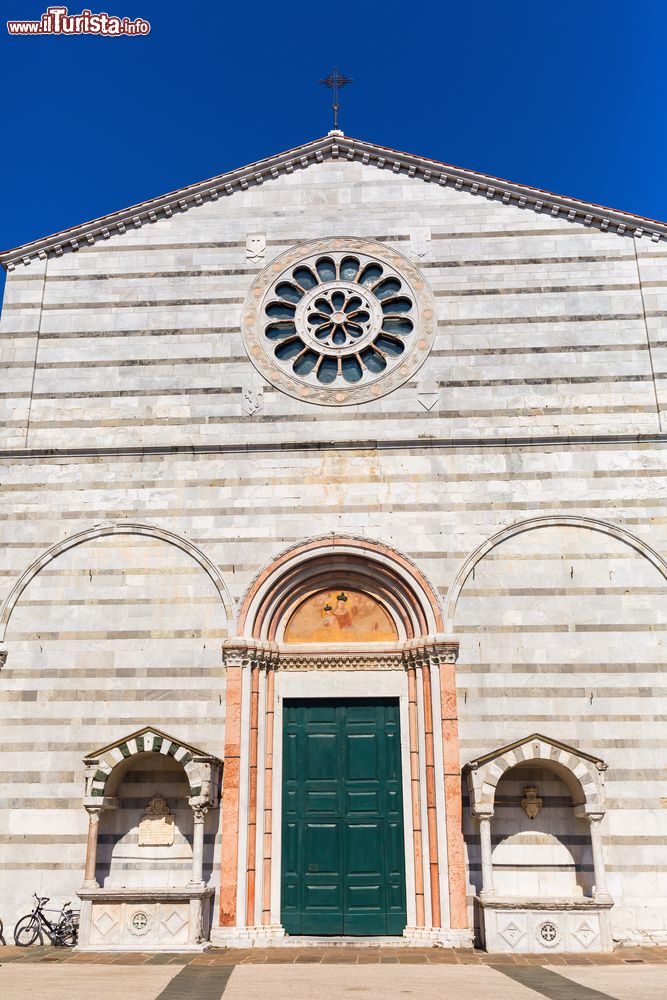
(339, 322)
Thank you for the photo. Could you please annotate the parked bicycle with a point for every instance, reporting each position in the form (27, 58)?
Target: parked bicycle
(61, 931)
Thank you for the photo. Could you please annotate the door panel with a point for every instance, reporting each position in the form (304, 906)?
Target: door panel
(343, 865)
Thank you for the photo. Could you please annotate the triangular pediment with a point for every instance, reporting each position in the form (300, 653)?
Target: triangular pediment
(141, 734)
(336, 146)
(556, 744)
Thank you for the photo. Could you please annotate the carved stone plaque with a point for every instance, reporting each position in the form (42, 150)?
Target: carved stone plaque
(156, 826)
(255, 247)
(252, 399)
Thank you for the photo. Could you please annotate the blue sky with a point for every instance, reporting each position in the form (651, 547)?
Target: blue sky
(569, 97)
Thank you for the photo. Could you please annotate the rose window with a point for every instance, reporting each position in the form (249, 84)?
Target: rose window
(336, 322)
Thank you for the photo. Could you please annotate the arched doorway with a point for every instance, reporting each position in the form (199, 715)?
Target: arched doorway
(342, 778)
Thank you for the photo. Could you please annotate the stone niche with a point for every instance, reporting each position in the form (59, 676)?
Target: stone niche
(149, 800)
(539, 805)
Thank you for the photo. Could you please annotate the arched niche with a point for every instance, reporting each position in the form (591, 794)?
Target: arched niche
(540, 846)
(128, 856)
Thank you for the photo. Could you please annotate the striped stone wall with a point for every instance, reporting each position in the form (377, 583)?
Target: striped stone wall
(563, 632)
(544, 325)
(126, 358)
(110, 635)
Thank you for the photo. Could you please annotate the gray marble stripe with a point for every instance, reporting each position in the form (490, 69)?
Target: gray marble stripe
(208, 633)
(135, 304)
(558, 591)
(357, 417)
(400, 478)
(600, 743)
(527, 261)
(227, 360)
(494, 321)
(117, 602)
(217, 390)
(544, 693)
(103, 542)
(48, 866)
(442, 507)
(424, 265)
(508, 233)
(546, 380)
(18, 839)
(527, 351)
(21, 777)
(507, 669)
(188, 331)
(105, 727)
(652, 626)
(110, 694)
(212, 272)
(66, 673)
(534, 290)
(466, 717)
(215, 244)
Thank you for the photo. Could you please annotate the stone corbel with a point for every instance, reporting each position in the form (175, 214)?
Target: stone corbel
(430, 650)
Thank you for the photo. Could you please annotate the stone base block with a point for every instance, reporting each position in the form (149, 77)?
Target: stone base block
(144, 919)
(438, 937)
(542, 926)
(248, 937)
(275, 937)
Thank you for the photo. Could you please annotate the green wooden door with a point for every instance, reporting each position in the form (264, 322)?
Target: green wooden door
(343, 860)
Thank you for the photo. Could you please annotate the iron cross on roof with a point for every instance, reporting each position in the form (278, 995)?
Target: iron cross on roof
(335, 81)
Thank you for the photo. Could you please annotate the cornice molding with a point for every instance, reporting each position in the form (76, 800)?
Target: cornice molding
(246, 448)
(430, 650)
(335, 147)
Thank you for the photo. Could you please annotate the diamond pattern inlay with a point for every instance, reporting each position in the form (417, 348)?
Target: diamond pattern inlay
(512, 933)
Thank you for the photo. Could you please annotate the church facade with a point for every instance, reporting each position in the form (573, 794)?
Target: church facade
(334, 551)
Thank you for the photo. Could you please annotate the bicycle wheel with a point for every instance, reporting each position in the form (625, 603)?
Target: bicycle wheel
(68, 932)
(28, 931)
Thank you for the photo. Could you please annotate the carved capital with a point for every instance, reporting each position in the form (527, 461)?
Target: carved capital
(246, 653)
(3, 658)
(94, 813)
(199, 810)
(430, 651)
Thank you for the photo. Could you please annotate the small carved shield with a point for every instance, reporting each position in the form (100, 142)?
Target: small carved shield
(428, 393)
(530, 802)
(252, 399)
(420, 242)
(255, 246)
